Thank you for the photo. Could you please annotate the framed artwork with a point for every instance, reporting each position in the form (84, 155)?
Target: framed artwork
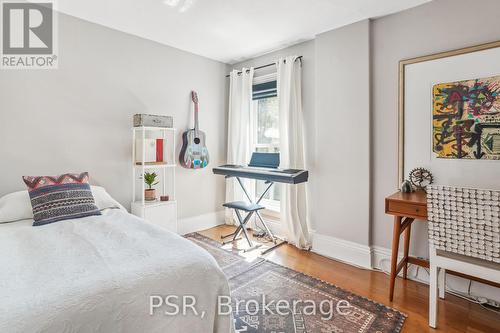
(466, 119)
(449, 116)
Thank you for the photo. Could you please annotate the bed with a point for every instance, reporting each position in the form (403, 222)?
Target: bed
(97, 274)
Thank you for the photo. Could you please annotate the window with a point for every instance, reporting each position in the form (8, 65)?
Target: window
(266, 136)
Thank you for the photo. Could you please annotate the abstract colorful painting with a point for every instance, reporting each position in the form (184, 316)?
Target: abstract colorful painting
(466, 119)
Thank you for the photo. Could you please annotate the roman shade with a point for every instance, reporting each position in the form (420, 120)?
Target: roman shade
(264, 90)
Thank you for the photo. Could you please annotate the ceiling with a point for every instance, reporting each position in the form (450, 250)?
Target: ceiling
(229, 30)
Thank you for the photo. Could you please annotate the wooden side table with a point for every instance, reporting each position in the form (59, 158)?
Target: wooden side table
(406, 207)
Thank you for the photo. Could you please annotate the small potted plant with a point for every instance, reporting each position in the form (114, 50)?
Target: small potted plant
(150, 180)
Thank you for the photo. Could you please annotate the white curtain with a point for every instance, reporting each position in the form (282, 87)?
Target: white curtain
(239, 141)
(294, 214)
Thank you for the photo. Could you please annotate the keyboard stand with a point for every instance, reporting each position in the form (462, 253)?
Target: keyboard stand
(239, 229)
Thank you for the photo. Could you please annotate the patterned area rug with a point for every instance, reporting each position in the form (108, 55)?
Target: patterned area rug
(269, 298)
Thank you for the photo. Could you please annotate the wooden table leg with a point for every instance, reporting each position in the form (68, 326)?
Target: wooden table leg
(396, 232)
(406, 250)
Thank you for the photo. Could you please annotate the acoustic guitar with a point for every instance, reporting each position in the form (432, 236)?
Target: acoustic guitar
(194, 153)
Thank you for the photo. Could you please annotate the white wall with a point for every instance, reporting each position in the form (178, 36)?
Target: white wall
(343, 133)
(79, 117)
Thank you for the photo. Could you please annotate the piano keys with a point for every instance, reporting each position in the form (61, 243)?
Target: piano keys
(288, 176)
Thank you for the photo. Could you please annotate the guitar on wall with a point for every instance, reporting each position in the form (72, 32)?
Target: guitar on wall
(194, 153)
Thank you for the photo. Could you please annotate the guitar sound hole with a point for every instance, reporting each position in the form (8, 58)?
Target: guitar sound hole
(197, 140)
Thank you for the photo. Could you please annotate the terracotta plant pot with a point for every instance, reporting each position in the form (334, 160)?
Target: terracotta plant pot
(150, 194)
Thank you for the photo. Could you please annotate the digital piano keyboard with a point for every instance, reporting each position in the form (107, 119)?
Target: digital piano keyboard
(288, 176)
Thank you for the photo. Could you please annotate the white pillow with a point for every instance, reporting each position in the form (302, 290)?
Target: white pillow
(103, 200)
(16, 206)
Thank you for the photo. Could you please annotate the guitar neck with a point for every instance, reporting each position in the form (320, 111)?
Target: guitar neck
(196, 125)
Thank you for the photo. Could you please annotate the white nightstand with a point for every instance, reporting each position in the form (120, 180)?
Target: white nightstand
(160, 213)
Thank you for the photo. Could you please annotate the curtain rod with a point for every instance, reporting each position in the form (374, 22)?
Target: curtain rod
(264, 66)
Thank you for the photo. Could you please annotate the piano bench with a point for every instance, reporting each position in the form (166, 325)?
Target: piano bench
(248, 207)
(244, 206)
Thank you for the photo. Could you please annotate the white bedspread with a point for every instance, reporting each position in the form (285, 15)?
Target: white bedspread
(97, 274)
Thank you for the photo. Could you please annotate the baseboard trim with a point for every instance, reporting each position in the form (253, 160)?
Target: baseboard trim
(200, 222)
(340, 249)
(380, 254)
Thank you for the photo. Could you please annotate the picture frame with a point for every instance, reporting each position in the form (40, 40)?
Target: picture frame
(403, 65)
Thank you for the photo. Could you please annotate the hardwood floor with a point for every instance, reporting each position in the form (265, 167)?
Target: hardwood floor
(410, 297)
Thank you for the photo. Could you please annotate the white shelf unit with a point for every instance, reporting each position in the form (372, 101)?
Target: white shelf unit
(161, 213)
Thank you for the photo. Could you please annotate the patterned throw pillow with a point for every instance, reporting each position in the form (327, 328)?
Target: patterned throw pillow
(61, 197)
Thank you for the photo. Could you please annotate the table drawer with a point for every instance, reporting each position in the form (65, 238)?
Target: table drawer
(407, 209)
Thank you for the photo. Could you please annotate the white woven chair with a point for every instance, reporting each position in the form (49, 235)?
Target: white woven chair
(464, 236)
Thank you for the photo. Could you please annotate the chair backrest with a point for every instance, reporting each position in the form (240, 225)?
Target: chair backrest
(465, 221)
